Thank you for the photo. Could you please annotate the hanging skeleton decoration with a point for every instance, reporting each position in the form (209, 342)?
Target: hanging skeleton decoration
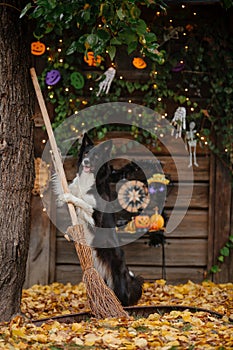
(104, 85)
(192, 144)
(179, 121)
(172, 33)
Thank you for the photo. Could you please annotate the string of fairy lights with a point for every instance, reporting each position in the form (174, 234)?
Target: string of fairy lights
(59, 59)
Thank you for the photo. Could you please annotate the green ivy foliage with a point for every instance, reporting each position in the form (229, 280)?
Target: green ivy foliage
(109, 27)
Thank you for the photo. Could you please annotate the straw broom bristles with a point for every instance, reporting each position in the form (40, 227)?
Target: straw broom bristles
(102, 301)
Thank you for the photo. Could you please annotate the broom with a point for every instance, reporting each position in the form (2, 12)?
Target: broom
(102, 300)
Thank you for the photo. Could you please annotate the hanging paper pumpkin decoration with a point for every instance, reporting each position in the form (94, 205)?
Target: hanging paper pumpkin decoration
(52, 77)
(77, 80)
(91, 60)
(37, 48)
(139, 63)
(133, 195)
(179, 67)
(156, 221)
(189, 27)
(142, 221)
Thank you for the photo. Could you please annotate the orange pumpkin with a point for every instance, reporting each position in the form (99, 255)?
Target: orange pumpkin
(37, 48)
(156, 221)
(139, 63)
(91, 60)
(142, 221)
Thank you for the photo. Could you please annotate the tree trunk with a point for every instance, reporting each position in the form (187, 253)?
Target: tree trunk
(16, 155)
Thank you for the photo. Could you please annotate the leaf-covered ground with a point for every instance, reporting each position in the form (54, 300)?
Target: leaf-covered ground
(174, 330)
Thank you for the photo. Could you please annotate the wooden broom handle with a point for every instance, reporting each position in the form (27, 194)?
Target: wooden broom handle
(53, 144)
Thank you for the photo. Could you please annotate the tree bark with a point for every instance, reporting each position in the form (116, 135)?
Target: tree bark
(16, 154)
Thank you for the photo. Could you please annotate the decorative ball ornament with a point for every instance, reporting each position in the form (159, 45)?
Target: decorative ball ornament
(133, 195)
(156, 221)
(77, 80)
(52, 77)
(91, 60)
(37, 48)
(139, 63)
(142, 221)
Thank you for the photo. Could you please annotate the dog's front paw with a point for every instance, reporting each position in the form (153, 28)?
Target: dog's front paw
(63, 198)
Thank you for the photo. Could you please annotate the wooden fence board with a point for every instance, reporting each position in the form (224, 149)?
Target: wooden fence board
(197, 218)
(199, 195)
(200, 173)
(39, 259)
(193, 225)
(179, 252)
(73, 274)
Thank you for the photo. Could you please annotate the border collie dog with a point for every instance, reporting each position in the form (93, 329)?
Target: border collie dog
(88, 188)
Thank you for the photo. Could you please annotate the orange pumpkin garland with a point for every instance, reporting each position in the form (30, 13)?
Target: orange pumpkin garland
(91, 60)
(37, 48)
(139, 63)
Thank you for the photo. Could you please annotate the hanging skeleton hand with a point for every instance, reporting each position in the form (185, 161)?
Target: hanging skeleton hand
(179, 120)
(104, 85)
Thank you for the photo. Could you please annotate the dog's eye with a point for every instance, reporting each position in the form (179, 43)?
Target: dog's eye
(131, 273)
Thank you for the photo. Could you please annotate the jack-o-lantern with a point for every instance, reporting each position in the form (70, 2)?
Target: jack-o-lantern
(52, 77)
(142, 221)
(139, 63)
(77, 80)
(91, 60)
(37, 48)
(156, 221)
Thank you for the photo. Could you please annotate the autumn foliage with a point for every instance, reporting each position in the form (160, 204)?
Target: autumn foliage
(173, 330)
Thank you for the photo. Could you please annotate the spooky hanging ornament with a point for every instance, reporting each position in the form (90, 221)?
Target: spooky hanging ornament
(156, 221)
(179, 121)
(37, 48)
(139, 63)
(52, 77)
(133, 196)
(77, 80)
(172, 33)
(91, 59)
(192, 144)
(105, 84)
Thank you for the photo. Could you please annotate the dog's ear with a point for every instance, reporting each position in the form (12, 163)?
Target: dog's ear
(86, 141)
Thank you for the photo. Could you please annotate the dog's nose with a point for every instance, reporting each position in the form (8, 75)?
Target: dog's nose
(86, 161)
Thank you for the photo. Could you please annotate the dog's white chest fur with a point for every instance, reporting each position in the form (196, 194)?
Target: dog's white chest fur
(81, 185)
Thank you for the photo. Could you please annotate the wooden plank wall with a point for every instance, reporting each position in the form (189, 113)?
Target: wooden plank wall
(186, 248)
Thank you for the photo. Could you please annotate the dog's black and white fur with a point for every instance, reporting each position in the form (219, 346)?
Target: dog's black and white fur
(109, 262)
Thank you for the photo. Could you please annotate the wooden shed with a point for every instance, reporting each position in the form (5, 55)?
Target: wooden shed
(189, 251)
